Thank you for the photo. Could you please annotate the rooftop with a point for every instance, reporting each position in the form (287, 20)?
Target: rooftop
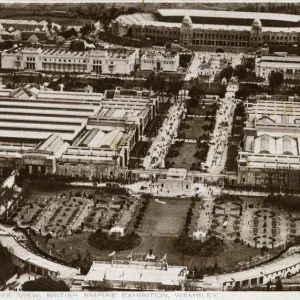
(134, 271)
(26, 255)
(228, 14)
(291, 258)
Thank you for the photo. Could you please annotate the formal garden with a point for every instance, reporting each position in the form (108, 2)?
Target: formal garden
(55, 214)
(256, 223)
(226, 219)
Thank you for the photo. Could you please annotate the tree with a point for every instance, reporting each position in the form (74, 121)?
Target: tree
(227, 73)
(240, 71)
(175, 85)
(275, 80)
(45, 285)
(278, 285)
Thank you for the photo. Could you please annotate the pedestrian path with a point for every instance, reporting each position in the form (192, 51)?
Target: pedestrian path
(158, 150)
(217, 153)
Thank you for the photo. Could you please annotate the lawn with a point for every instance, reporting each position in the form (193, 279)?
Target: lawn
(78, 245)
(192, 128)
(164, 219)
(202, 110)
(186, 157)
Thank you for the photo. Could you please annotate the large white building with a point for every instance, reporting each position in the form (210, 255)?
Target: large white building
(160, 61)
(134, 275)
(271, 143)
(118, 61)
(288, 65)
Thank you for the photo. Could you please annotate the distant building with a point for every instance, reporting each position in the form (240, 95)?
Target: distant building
(159, 61)
(15, 35)
(289, 66)
(118, 61)
(135, 275)
(211, 29)
(22, 29)
(22, 25)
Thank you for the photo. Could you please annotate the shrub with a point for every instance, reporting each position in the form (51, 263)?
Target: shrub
(104, 241)
(48, 235)
(77, 194)
(237, 240)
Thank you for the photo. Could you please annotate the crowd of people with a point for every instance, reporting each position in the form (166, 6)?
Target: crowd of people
(168, 131)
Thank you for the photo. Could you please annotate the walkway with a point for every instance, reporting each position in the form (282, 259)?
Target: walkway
(217, 153)
(159, 148)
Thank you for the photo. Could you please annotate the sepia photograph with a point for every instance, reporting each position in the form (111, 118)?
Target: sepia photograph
(149, 148)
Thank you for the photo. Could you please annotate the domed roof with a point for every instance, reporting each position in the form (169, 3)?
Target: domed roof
(256, 23)
(187, 20)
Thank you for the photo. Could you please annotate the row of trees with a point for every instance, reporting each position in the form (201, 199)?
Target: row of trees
(158, 83)
(112, 242)
(45, 284)
(211, 247)
(145, 202)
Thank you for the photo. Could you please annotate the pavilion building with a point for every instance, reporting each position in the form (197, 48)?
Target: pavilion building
(270, 150)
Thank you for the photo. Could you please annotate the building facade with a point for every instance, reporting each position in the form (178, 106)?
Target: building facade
(199, 29)
(160, 61)
(289, 66)
(120, 61)
(86, 135)
(269, 155)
